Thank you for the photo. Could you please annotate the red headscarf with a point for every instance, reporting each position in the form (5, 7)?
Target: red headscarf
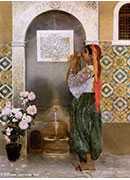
(96, 53)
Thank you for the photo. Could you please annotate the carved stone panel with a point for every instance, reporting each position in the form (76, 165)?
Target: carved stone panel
(54, 45)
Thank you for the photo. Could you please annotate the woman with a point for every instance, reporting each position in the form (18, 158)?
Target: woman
(84, 84)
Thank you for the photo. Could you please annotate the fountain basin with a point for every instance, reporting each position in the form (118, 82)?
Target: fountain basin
(55, 140)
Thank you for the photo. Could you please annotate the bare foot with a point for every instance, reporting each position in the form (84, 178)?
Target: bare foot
(88, 165)
(77, 167)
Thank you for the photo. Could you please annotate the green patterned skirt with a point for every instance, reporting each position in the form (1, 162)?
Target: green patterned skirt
(86, 127)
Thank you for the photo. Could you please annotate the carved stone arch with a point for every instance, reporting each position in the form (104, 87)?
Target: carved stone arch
(23, 15)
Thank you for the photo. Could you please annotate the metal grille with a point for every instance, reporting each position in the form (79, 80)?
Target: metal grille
(124, 22)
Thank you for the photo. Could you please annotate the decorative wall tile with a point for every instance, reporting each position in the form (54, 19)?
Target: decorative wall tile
(128, 90)
(5, 74)
(5, 91)
(115, 100)
(107, 90)
(120, 104)
(107, 116)
(128, 62)
(120, 50)
(106, 62)
(120, 90)
(6, 77)
(120, 75)
(5, 64)
(5, 50)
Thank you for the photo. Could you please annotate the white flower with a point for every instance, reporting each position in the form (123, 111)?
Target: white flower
(6, 111)
(32, 110)
(24, 117)
(14, 120)
(2, 123)
(7, 139)
(18, 115)
(24, 94)
(8, 131)
(25, 101)
(31, 96)
(27, 118)
(23, 125)
(5, 118)
(15, 110)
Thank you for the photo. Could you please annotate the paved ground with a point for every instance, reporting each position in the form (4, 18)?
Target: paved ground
(107, 165)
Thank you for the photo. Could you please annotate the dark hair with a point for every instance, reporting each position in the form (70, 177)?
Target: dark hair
(89, 49)
(99, 55)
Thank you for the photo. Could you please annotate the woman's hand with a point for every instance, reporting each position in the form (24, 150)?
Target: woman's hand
(84, 70)
(74, 60)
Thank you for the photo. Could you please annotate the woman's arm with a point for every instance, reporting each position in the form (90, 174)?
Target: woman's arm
(79, 78)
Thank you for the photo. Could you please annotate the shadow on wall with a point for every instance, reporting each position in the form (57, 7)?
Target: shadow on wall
(43, 92)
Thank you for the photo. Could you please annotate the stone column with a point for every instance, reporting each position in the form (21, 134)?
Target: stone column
(18, 70)
(18, 81)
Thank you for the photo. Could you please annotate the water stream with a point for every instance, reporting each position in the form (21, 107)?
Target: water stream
(55, 124)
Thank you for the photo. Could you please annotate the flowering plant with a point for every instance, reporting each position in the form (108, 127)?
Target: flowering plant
(16, 121)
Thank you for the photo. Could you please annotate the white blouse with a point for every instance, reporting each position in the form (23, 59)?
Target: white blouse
(81, 82)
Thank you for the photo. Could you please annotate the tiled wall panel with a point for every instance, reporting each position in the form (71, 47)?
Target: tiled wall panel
(116, 83)
(5, 74)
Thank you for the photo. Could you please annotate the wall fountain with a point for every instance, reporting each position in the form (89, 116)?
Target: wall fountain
(56, 133)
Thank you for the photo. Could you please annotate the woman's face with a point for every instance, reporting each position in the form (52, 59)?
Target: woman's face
(86, 57)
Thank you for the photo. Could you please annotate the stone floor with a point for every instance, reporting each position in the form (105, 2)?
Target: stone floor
(107, 165)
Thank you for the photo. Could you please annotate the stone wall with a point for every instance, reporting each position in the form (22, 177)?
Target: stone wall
(5, 22)
(106, 18)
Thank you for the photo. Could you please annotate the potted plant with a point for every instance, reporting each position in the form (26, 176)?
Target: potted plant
(16, 121)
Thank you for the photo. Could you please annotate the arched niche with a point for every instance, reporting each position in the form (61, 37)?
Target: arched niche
(47, 79)
(24, 13)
